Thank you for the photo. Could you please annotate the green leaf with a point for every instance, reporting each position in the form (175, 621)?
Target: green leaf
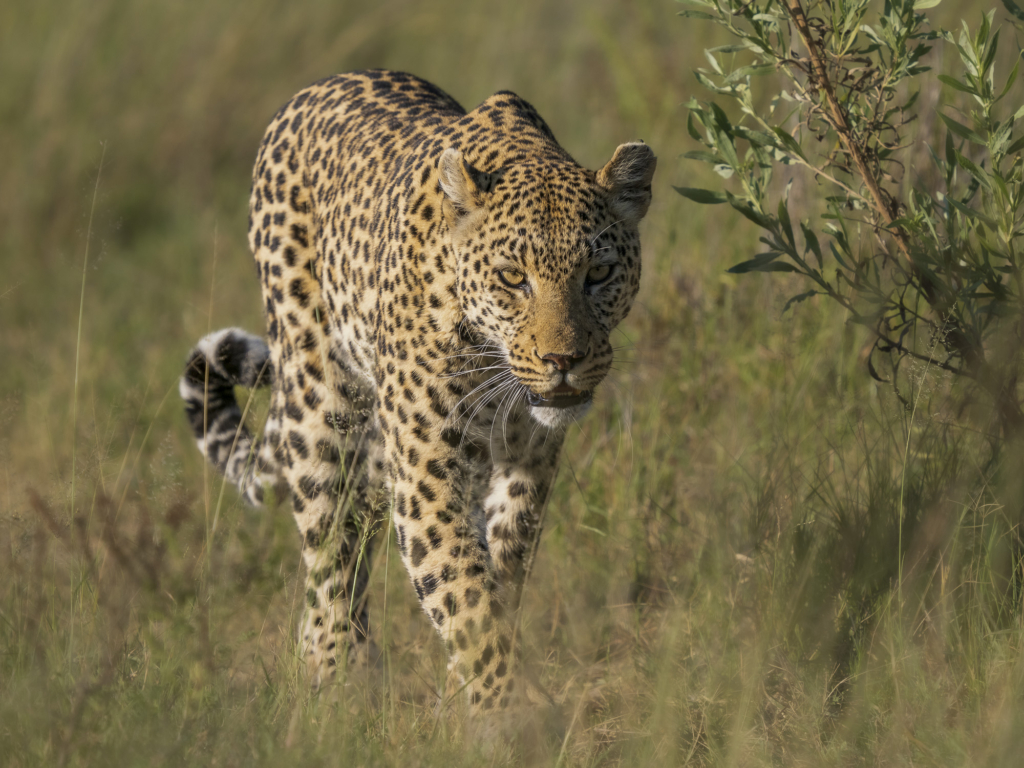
(702, 196)
(1000, 185)
(1013, 9)
(973, 169)
(725, 147)
(985, 28)
(721, 119)
(1016, 147)
(798, 298)
(971, 213)
(789, 143)
(990, 56)
(704, 157)
(839, 257)
(935, 158)
(708, 83)
(868, 30)
(972, 190)
(998, 138)
(763, 262)
(698, 15)
(787, 227)
(968, 58)
(961, 130)
(756, 70)
(923, 5)
(691, 128)
(954, 83)
(1010, 80)
(950, 158)
(757, 138)
(918, 53)
(713, 61)
(811, 240)
(745, 208)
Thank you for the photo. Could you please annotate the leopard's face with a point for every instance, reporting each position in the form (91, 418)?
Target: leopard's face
(549, 265)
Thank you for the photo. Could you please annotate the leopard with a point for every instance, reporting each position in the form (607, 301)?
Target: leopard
(440, 288)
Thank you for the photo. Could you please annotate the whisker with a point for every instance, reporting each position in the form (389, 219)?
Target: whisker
(473, 370)
(598, 235)
(490, 397)
(577, 423)
(482, 347)
(475, 356)
(537, 425)
(512, 391)
(517, 392)
(480, 351)
(492, 381)
(494, 420)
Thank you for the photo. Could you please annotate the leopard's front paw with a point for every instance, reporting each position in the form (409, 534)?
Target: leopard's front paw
(525, 720)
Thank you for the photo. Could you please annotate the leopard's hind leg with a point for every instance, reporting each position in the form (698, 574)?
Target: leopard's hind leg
(335, 471)
(325, 421)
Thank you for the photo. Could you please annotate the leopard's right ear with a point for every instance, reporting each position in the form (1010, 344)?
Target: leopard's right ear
(463, 185)
(627, 177)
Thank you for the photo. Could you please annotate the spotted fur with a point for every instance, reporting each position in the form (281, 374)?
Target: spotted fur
(439, 288)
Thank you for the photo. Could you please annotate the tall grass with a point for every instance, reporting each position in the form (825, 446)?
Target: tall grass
(754, 555)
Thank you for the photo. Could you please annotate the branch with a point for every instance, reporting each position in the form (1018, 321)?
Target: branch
(837, 116)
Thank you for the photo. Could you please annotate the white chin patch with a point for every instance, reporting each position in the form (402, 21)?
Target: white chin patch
(559, 418)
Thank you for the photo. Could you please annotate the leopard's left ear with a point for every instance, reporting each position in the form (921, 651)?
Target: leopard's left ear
(627, 176)
(463, 185)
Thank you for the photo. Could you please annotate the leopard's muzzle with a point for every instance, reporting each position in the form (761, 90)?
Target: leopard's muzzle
(562, 396)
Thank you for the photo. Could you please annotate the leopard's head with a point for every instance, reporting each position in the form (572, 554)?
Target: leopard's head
(548, 264)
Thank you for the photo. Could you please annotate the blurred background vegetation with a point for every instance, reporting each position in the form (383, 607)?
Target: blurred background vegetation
(755, 555)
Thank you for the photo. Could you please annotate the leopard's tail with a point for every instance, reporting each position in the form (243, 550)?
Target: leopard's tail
(216, 365)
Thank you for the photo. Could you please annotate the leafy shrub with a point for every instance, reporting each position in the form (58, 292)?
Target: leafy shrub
(929, 259)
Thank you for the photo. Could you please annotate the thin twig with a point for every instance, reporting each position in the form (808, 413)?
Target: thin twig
(838, 119)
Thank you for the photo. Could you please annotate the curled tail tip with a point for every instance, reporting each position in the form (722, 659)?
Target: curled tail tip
(220, 361)
(235, 355)
(216, 364)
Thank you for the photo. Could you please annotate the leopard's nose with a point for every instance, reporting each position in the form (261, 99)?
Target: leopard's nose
(564, 362)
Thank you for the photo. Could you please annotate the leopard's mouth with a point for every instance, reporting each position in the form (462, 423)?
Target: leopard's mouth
(562, 396)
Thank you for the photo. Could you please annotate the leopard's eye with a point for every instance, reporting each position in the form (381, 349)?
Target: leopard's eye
(599, 273)
(513, 278)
